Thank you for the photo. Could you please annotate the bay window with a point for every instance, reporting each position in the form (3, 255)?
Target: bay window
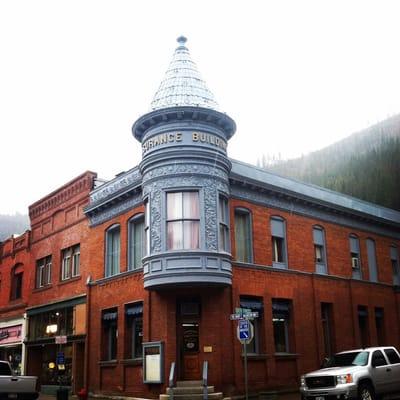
(223, 218)
(183, 220)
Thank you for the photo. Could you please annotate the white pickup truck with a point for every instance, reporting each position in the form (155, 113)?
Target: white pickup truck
(364, 374)
(16, 387)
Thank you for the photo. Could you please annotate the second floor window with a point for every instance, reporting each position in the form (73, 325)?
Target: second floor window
(355, 257)
(17, 274)
(43, 272)
(183, 220)
(70, 262)
(319, 250)
(112, 250)
(394, 259)
(278, 238)
(372, 265)
(243, 238)
(223, 219)
(136, 241)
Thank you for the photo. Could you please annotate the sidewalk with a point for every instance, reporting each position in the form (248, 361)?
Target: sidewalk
(272, 396)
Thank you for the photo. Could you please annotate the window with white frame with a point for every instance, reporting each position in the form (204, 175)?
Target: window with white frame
(319, 250)
(70, 265)
(355, 256)
(112, 250)
(243, 235)
(281, 310)
(43, 272)
(278, 240)
(183, 220)
(223, 218)
(136, 241)
(394, 259)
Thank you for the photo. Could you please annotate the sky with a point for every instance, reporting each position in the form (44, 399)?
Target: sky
(75, 75)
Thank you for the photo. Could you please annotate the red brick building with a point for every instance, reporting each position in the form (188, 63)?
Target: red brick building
(145, 270)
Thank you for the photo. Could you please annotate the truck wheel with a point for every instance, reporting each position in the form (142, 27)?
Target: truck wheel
(366, 392)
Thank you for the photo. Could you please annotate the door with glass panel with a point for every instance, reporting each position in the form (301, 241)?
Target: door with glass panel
(188, 335)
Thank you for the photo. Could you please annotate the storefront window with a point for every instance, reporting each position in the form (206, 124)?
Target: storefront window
(52, 323)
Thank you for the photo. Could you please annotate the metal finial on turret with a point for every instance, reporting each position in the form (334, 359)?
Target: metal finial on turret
(181, 40)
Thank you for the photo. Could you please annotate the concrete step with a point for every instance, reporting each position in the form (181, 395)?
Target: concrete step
(189, 390)
(211, 396)
(189, 383)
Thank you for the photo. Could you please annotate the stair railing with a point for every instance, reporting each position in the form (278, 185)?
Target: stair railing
(205, 384)
(171, 381)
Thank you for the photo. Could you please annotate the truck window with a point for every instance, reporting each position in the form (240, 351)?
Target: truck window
(392, 356)
(378, 359)
(348, 359)
(4, 369)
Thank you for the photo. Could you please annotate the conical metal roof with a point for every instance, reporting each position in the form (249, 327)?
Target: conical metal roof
(182, 84)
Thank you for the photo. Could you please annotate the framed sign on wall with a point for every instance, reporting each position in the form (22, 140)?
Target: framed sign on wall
(153, 362)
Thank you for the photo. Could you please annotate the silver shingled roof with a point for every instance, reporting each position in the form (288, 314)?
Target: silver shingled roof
(183, 84)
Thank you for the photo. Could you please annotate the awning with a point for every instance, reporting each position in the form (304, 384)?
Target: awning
(134, 309)
(280, 309)
(56, 305)
(110, 316)
(253, 304)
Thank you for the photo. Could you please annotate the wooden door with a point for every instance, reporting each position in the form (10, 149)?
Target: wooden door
(190, 351)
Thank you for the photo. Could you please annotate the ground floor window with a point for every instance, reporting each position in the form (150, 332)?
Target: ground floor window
(12, 354)
(109, 334)
(134, 330)
(363, 326)
(281, 321)
(254, 304)
(380, 326)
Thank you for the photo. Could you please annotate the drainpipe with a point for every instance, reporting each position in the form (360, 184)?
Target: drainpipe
(87, 352)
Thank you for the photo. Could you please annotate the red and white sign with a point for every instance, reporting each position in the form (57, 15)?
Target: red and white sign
(11, 334)
(61, 339)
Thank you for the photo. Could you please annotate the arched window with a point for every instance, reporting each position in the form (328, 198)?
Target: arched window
(243, 235)
(355, 256)
(112, 250)
(136, 241)
(17, 274)
(319, 250)
(278, 240)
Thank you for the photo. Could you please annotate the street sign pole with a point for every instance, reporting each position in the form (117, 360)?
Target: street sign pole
(245, 370)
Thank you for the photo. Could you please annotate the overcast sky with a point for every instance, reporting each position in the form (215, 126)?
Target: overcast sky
(75, 75)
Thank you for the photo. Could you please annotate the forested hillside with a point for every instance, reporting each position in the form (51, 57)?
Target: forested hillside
(10, 224)
(365, 165)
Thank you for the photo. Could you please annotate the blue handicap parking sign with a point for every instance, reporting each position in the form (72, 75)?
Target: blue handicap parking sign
(244, 329)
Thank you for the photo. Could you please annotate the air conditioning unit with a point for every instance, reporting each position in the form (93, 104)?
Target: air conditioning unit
(355, 264)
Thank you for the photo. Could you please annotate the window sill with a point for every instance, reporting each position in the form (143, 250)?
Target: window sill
(132, 361)
(41, 289)
(286, 356)
(108, 363)
(256, 357)
(73, 279)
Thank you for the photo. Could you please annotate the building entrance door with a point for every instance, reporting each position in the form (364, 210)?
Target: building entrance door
(189, 340)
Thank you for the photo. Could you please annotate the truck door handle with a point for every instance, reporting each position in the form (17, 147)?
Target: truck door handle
(388, 369)
(14, 379)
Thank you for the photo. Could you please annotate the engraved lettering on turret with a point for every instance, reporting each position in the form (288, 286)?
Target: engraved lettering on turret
(174, 137)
